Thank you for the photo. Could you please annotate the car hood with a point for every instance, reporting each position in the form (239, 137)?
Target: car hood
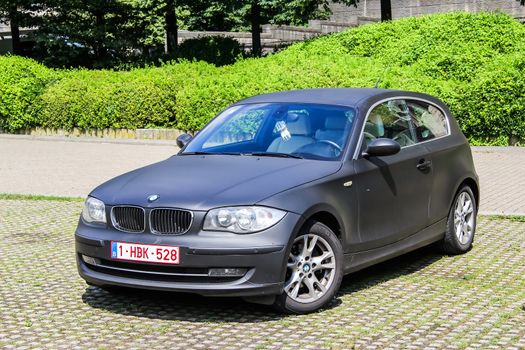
(202, 182)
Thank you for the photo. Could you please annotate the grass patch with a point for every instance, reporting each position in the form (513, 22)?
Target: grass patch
(515, 218)
(36, 197)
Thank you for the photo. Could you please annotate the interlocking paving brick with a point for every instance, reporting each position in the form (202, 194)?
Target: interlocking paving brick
(501, 173)
(422, 300)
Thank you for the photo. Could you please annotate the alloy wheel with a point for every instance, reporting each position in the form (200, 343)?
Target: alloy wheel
(464, 218)
(311, 269)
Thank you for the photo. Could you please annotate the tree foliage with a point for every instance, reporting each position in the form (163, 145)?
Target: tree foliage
(90, 33)
(218, 50)
(16, 13)
(106, 33)
(116, 33)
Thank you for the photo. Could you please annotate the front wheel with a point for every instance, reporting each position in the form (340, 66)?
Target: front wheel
(314, 270)
(461, 223)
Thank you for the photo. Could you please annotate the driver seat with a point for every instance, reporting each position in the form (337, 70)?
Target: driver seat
(334, 129)
(300, 130)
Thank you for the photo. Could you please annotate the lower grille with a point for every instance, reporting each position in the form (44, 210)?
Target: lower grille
(158, 273)
(128, 218)
(170, 221)
(160, 269)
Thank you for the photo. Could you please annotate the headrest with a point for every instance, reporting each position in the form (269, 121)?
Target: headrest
(337, 122)
(299, 125)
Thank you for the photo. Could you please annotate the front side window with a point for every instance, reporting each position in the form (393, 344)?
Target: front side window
(391, 120)
(301, 130)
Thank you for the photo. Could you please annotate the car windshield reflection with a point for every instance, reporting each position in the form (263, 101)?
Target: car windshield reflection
(311, 131)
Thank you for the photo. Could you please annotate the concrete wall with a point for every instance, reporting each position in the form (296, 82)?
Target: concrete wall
(138, 134)
(273, 36)
(405, 8)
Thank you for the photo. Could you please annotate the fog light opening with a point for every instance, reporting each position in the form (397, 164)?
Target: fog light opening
(90, 260)
(227, 272)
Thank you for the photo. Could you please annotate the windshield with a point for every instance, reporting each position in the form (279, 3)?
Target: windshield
(312, 131)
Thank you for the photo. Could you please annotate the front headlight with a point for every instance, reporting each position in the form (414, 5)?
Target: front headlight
(94, 211)
(242, 219)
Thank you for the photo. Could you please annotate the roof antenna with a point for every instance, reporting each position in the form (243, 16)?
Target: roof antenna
(380, 79)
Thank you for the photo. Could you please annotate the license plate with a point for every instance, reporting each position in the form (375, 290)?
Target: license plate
(145, 253)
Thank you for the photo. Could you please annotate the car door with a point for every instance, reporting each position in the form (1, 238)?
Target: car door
(432, 128)
(393, 192)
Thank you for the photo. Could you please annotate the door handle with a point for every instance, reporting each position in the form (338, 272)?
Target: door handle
(424, 164)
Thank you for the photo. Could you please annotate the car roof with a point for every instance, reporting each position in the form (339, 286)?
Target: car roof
(351, 97)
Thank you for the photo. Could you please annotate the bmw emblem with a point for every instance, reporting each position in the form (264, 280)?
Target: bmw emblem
(153, 198)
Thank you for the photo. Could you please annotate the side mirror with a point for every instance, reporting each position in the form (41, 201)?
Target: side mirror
(183, 140)
(382, 147)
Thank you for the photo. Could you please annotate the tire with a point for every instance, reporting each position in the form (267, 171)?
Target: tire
(461, 228)
(311, 281)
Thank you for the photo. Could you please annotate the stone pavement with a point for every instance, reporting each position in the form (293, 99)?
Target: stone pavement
(421, 300)
(70, 167)
(73, 167)
(501, 173)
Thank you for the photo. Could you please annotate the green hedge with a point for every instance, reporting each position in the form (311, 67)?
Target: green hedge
(492, 110)
(474, 62)
(22, 81)
(140, 98)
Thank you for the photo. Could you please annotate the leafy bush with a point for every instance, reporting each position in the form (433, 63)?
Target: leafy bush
(446, 55)
(217, 50)
(140, 98)
(492, 110)
(474, 62)
(22, 82)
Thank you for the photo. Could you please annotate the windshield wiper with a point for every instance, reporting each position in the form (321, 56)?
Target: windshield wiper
(199, 153)
(272, 154)
(256, 154)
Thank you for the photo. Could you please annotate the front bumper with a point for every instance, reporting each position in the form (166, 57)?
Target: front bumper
(263, 255)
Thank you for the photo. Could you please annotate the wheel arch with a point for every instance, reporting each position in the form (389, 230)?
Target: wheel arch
(323, 213)
(329, 220)
(472, 184)
(328, 216)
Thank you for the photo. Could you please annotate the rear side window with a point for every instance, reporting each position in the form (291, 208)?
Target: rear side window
(429, 121)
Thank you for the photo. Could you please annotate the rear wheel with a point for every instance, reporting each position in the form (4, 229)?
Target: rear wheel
(461, 223)
(314, 270)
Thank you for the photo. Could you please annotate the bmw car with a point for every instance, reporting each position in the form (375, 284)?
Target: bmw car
(282, 194)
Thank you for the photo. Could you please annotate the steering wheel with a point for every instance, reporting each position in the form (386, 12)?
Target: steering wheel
(331, 143)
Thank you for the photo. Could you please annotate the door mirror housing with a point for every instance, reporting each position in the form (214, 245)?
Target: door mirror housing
(183, 140)
(382, 147)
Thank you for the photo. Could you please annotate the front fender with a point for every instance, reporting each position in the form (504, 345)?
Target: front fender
(324, 197)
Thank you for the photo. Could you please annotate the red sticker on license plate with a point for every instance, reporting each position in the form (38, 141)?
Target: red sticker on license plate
(145, 253)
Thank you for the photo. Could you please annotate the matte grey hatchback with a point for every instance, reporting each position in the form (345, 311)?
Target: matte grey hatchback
(282, 194)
